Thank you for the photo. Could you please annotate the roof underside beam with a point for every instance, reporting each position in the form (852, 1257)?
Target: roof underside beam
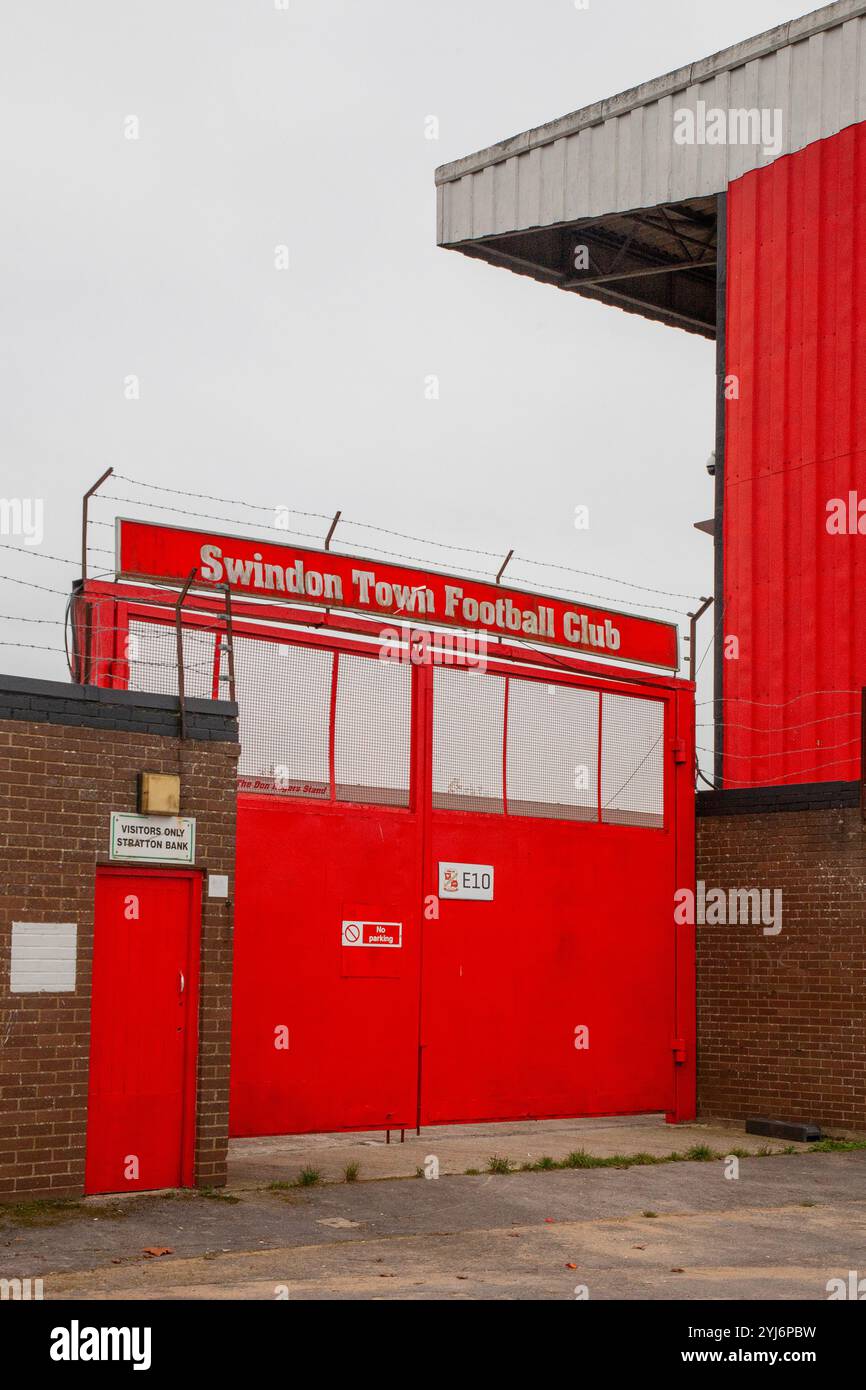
(659, 262)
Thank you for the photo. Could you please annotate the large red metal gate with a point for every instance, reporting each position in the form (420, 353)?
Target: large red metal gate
(556, 997)
(368, 995)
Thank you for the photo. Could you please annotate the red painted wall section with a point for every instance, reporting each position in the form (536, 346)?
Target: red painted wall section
(795, 594)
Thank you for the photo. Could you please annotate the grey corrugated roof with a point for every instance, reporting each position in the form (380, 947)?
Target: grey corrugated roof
(619, 154)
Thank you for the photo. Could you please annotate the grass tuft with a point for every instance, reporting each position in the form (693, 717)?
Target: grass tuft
(701, 1153)
(308, 1177)
(53, 1211)
(579, 1158)
(350, 1172)
(837, 1146)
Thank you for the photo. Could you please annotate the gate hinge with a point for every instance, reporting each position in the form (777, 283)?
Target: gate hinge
(678, 1047)
(678, 748)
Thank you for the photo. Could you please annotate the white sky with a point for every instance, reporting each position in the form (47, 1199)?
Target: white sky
(305, 388)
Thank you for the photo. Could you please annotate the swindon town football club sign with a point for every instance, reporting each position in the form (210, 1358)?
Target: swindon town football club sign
(276, 571)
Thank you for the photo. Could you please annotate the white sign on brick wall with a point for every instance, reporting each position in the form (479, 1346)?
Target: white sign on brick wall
(43, 957)
(153, 839)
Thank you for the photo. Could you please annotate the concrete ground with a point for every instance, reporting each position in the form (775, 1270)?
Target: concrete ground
(458, 1147)
(682, 1230)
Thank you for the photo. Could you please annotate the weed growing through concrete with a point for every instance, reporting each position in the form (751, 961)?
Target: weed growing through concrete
(350, 1172)
(308, 1177)
(698, 1153)
(54, 1211)
(837, 1146)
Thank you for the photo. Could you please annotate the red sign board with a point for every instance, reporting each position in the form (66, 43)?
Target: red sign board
(372, 934)
(272, 570)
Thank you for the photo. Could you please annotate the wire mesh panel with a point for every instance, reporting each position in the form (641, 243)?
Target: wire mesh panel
(552, 754)
(632, 761)
(152, 656)
(468, 730)
(373, 731)
(284, 706)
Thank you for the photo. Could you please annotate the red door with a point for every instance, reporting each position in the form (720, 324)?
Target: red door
(557, 997)
(141, 1106)
(325, 1035)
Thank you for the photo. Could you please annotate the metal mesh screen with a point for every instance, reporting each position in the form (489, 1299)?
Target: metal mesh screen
(284, 706)
(468, 728)
(152, 655)
(552, 756)
(373, 730)
(632, 761)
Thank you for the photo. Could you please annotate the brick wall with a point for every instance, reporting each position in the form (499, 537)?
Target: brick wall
(782, 1019)
(68, 757)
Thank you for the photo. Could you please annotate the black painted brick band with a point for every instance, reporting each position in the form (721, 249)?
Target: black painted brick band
(128, 711)
(751, 801)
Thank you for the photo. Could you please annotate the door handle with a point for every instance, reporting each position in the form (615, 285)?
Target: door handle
(182, 981)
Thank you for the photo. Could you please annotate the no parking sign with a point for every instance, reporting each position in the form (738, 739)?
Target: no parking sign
(373, 934)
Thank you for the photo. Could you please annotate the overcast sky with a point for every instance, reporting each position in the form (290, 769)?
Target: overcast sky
(260, 126)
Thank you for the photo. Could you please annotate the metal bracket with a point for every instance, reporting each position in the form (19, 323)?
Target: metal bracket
(181, 693)
(84, 501)
(332, 529)
(693, 634)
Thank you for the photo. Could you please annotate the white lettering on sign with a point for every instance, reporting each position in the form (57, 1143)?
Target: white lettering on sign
(467, 881)
(373, 934)
(153, 839)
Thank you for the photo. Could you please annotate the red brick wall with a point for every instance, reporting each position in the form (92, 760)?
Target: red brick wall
(58, 784)
(782, 1019)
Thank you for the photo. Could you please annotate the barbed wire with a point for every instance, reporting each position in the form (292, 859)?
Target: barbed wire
(766, 704)
(26, 618)
(558, 592)
(370, 526)
(37, 554)
(32, 647)
(591, 574)
(207, 497)
(413, 559)
(782, 753)
(782, 777)
(204, 516)
(28, 584)
(780, 728)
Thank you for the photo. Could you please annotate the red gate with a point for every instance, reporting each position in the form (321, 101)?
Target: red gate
(559, 793)
(555, 997)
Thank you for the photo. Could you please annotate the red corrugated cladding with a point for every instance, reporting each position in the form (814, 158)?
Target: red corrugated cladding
(795, 440)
